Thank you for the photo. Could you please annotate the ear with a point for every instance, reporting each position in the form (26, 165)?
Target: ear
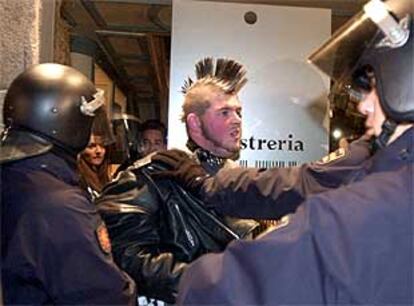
(193, 122)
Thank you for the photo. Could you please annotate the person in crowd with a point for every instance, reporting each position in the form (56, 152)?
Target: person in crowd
(55, 247)
(353, 244)
(154, 137)
(94, 166)
(157, 227)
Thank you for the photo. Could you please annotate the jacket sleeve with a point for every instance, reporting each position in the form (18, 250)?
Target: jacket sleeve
(265, 271)
(273, 193)
(351, 245)
(131, 213)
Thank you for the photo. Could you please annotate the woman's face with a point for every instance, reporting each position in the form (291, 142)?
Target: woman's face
(94, 153)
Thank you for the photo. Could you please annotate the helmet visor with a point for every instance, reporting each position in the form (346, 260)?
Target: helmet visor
(344, 51)
(102, 127)
(341, 54)
(126, 129)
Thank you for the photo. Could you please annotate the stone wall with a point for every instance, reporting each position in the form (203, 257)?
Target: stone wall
(19, 39)
(61, 38)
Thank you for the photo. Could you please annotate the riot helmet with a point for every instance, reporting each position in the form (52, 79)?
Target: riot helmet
(48, 105)
(380, 36)
(361, 82)
(126, 129)
(394, 70)
(102, 127)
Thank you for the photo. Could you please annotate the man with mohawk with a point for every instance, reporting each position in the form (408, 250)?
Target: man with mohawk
(156, 227)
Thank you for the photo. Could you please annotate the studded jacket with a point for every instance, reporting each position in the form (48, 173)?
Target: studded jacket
(157, 228)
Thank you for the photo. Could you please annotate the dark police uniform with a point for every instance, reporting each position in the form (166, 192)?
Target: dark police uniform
(55, 248)
(273, 193)
(349, 245)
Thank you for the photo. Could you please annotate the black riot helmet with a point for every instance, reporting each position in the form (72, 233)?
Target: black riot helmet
(48, 105)
(361, 82)
(363, 78)
(381, 36)
(394, 71)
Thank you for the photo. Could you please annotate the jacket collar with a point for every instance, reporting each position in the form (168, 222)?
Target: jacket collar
(210, 162)
(398, 153)
(52, 164)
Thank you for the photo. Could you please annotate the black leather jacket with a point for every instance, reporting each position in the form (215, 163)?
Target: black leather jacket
(157, 228)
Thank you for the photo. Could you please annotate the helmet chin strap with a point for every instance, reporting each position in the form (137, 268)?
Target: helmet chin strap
(387, 129)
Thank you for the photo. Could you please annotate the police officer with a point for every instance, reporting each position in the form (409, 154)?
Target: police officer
(55, 247)
(354, 244)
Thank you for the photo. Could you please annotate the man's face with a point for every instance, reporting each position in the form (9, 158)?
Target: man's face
(371, 108)
(221, 126)
(152, 141)
(94, 153)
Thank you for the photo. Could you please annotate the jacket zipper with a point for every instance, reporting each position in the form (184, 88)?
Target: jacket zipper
(187, 232)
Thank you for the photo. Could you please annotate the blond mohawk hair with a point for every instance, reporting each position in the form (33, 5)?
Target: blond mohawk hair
(226, 74)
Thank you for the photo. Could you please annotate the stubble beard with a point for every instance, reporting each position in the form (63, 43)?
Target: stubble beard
(219, 145)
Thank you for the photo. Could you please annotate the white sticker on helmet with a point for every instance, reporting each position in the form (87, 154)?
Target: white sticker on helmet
(89, 108)
(396, 33)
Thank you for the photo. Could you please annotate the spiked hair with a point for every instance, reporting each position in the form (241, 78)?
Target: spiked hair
(225, 76)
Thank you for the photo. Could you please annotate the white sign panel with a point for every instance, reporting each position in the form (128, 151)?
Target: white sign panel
(285, 101)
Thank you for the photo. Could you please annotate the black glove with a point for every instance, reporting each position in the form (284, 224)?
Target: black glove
(182, 169)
